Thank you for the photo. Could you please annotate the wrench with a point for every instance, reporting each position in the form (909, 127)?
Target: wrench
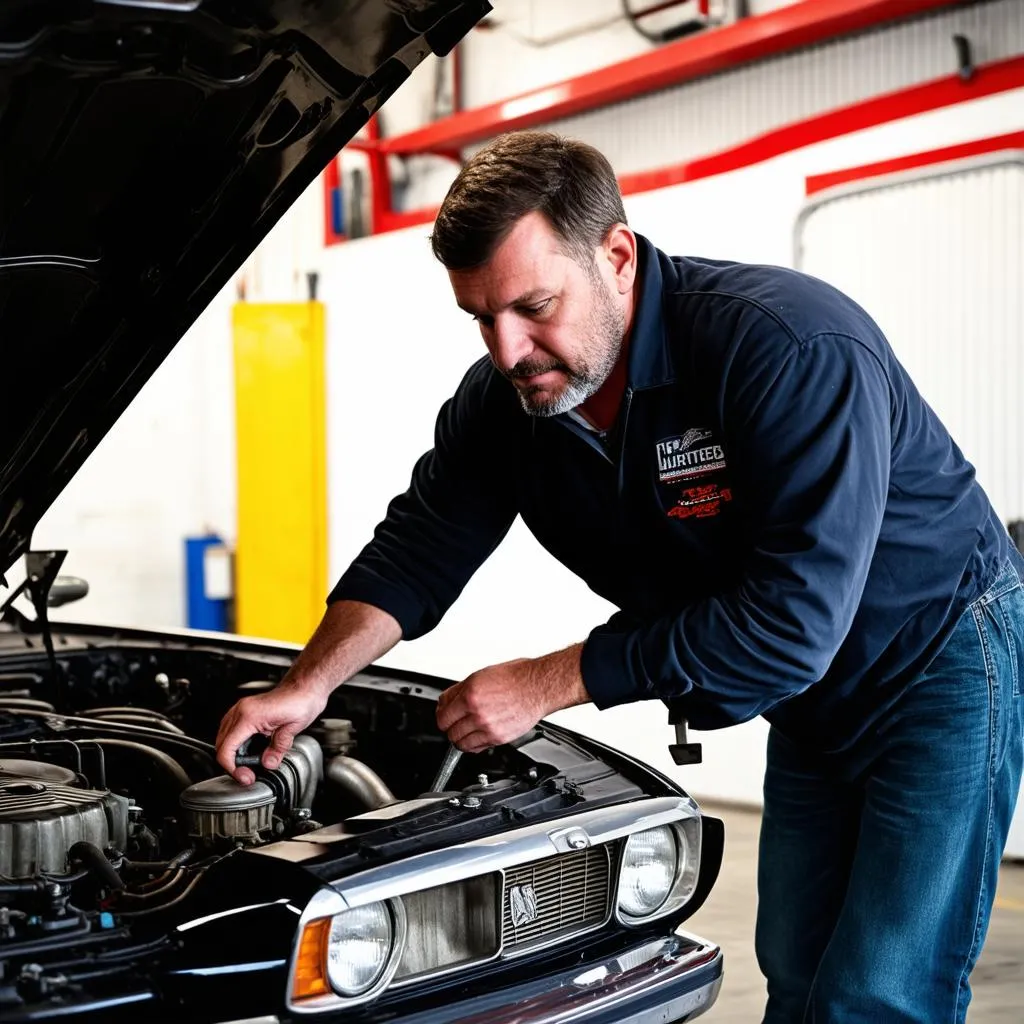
(451, 759)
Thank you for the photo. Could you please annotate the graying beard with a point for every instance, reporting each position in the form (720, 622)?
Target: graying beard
(580, 386)
(577, 391)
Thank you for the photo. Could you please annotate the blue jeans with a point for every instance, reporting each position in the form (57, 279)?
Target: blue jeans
(878, 865)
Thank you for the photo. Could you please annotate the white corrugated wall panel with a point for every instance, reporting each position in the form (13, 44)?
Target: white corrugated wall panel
(714, 113)
(939, 263)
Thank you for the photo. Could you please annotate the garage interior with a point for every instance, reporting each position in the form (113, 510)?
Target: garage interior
(877, 144)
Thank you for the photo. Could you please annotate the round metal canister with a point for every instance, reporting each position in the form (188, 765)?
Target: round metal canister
(222, 808)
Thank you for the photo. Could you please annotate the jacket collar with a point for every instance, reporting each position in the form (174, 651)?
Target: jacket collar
(650, 361)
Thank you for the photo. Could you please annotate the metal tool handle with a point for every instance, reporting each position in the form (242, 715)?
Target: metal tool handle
(250, 753)
(451, 759)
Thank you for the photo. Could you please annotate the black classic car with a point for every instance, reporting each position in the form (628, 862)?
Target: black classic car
(545, 882)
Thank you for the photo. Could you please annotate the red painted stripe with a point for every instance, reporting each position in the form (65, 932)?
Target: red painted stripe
(820, 182)
(380, 180)
(752, 38)
(919, 99)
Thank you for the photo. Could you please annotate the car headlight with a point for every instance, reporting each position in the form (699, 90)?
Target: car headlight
(351, 954)
(650, 866)
(359, 947)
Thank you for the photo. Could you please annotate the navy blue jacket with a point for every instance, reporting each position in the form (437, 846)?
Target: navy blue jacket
(785, 524)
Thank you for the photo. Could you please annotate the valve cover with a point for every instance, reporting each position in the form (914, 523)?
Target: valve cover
(44, 812)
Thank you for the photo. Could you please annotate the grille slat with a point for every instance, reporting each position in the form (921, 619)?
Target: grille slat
(568, 894)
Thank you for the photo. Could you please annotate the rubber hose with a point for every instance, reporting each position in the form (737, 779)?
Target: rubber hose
(173, 862)
(144, 720)
(92, 857)
(182, 858)
(157, 887)
(163, 906)
(141, 731)
(171, 768)
(20, 888)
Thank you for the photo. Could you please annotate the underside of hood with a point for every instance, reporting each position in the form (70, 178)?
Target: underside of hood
(146, 147)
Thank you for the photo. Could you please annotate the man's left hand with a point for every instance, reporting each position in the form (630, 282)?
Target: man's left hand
(501, 703)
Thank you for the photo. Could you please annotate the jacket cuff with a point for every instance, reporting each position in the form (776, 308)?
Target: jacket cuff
(607, 674)
(397, 603)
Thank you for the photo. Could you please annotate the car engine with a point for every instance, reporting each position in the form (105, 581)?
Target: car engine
(112, 813)
(118, 810)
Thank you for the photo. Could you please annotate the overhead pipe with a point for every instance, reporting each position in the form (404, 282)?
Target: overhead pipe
(667, 35)
(587, 28)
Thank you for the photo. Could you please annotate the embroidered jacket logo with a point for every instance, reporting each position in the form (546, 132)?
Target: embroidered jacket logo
(688, 455)
(700, 502)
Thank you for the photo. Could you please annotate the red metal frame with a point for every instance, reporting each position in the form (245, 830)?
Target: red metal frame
(788, 28)
(919, 99)
(988, 79)
(382, 217)
(750, 39)
(995, 144)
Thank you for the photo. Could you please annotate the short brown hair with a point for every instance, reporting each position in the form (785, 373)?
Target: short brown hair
(569, 182)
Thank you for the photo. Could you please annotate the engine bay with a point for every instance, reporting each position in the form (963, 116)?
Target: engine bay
(118, 808)
(113, 807)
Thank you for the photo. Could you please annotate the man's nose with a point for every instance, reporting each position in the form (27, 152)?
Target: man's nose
(510, 343)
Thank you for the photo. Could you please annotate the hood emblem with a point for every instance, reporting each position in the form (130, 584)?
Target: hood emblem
(522, 902)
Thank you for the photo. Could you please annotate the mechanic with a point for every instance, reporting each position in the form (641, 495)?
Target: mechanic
(734, 457)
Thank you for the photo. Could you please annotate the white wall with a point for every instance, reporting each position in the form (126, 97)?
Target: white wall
(166, 471)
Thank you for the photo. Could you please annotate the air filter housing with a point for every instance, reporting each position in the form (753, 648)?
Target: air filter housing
(223, 809)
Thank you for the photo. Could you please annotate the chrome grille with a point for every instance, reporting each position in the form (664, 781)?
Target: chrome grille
(556, 897)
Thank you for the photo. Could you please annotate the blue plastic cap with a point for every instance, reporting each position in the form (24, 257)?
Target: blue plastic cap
(106, 920)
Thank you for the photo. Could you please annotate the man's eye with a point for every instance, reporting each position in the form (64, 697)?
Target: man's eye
(535, 310)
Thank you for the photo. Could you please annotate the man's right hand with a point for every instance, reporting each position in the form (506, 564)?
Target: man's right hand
(350, 636)
(280, 714)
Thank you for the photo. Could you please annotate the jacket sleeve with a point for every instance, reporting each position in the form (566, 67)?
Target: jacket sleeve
(807, 426)
(460, 504)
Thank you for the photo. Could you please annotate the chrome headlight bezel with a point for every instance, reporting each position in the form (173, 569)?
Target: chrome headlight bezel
(325, 910)
(395, 911)
(687, 835)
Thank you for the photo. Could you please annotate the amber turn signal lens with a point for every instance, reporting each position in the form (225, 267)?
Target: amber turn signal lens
(310, 978)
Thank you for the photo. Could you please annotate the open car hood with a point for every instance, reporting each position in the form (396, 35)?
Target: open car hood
(146, 147)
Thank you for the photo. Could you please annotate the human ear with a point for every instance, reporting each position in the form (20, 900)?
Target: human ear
(619, 250)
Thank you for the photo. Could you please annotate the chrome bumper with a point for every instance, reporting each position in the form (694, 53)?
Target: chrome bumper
(662, 981)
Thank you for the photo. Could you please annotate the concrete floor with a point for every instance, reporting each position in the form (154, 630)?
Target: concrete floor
(728, 919)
